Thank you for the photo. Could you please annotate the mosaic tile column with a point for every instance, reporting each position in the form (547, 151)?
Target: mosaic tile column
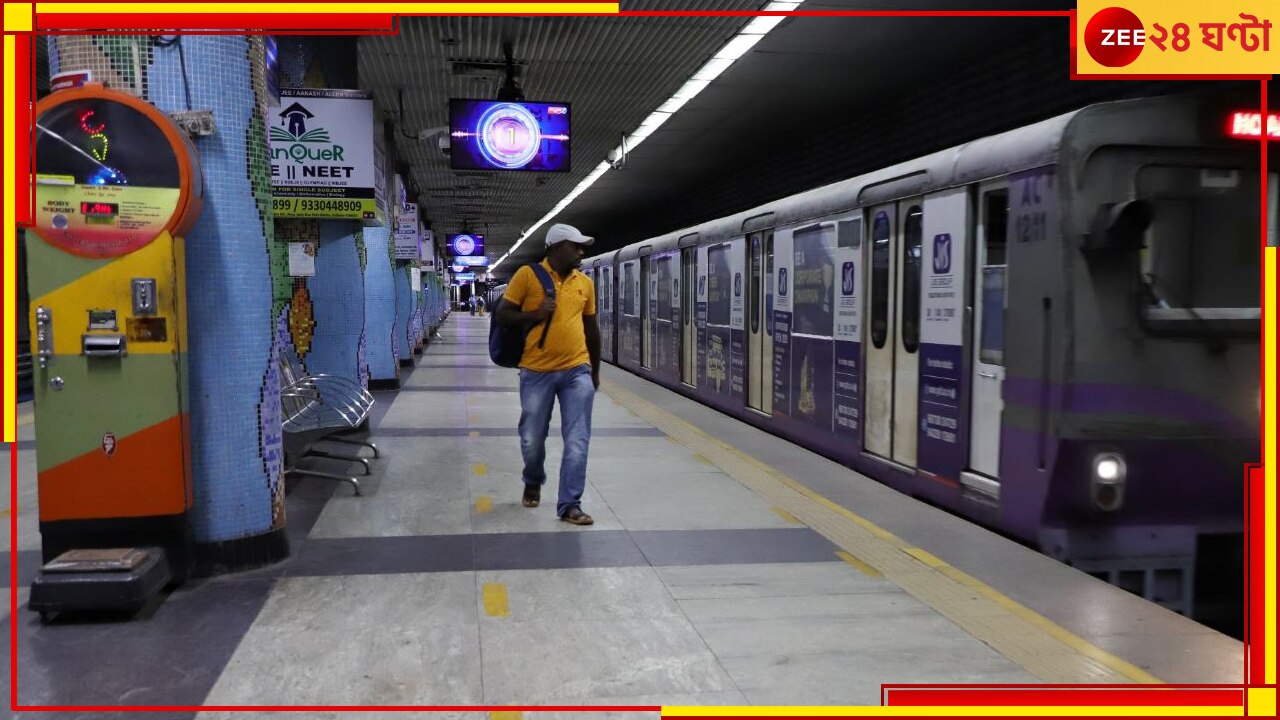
(338, 343)
(404, 315)
(380, 310)
(238, 513)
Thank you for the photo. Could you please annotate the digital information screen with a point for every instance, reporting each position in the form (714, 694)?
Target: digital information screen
(466, 245)
(494, 135)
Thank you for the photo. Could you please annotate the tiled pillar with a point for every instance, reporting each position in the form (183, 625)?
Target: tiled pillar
(336, 293)
(404, 315)
(238, 513)
(380, 310)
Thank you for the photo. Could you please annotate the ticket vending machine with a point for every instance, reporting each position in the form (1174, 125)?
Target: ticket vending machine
(117, 186)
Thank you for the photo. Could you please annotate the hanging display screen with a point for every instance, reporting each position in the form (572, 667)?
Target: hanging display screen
(110, 177)
(495, 135)
(466, 245)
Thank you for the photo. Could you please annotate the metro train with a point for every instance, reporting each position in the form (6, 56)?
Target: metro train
(1054, 331)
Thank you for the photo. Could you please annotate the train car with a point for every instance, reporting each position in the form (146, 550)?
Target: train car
(1053, 331)
(494, 296)
(600, 270)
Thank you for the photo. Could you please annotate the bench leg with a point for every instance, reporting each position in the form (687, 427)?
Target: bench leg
(355, 484)
(333, 456)
(362, 443)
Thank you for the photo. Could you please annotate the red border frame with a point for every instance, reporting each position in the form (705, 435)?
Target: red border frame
(385, 24)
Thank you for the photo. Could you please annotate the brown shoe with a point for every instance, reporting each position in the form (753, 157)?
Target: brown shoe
(576, 516)
(532, 494)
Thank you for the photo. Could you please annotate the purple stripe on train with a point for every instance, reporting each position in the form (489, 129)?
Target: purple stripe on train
(1117, 399)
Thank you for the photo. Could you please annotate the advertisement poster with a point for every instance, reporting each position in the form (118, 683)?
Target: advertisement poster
(406, 233)
(302, 259)
(812, 295)
(943, 447)
(322, 154)
(848, 329)
(782, 315)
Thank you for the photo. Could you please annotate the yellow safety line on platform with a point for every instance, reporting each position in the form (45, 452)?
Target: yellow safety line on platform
(1043, 648)
(480, 469)
(777, 510)
(473, 434)
(506, 715)
(862, 567)
(484, 504)
(495, 600)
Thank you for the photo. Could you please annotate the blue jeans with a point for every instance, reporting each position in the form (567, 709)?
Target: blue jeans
(538, 392)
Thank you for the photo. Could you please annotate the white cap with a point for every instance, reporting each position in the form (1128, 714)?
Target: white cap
(560, 232)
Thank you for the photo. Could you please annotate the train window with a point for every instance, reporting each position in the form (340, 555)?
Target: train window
(991, 349)
(995, 221)
(996, 225)
(813, 280)
(912, 235)
(1202, 245)
(880, 280)
(755, 284)
(662, 272)
(719, 285)
(768, 283)
(628, 289)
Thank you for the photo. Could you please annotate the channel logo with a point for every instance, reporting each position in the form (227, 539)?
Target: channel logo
(1114, 37)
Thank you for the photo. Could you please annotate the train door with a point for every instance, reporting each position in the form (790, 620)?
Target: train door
(893, 358)
(646, 317)
(688, 328)
(615, 315)
(987, 405)
(759, 329)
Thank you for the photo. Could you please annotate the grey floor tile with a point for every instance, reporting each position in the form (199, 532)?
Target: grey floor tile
(550, 550)
(570, 595)
(757, 580)
(394, 640)
(381, 555)
(724, 547)
(880, 601)
(539, 661)
(394, 514)
(855, 678)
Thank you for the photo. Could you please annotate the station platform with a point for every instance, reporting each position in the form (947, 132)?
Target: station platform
(725, 567)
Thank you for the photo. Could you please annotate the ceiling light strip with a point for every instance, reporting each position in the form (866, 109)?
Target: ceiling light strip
(739, 45)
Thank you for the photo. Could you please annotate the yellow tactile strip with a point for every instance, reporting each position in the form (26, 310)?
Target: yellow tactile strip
(1038, 645)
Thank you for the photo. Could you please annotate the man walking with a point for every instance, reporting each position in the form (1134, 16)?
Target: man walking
(566, 366)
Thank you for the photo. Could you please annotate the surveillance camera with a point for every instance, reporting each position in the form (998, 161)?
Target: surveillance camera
(443, 143)
(614, 155)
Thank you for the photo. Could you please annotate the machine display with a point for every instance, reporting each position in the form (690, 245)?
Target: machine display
(109, 177)
(528, 136)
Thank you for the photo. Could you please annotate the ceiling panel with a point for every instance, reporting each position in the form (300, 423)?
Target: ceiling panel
(613, 70)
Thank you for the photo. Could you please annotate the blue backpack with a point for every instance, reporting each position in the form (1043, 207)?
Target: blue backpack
(506, 342)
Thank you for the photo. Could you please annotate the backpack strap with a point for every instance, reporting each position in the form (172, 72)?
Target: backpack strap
(548, 289)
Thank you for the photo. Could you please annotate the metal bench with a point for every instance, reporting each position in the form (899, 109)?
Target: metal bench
(320, 408)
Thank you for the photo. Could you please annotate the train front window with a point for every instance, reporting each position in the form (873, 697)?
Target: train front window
(1200, 260)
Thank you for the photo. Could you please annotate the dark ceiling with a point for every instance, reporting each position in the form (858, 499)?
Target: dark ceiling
(818, 99)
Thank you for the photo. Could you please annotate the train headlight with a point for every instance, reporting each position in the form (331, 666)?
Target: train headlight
(1107, 484)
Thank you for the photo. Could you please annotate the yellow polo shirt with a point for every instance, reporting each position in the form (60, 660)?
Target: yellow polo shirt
(566, 345)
